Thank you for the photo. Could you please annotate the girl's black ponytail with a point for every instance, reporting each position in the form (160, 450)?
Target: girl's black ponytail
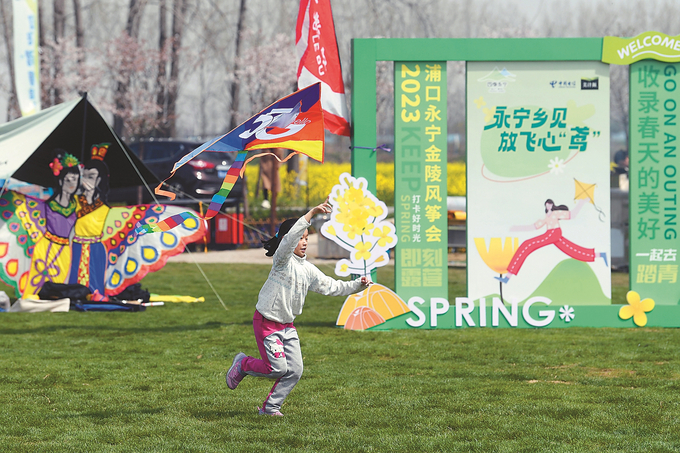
(272, 244)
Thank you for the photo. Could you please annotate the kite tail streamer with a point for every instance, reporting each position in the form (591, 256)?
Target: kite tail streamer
(166, 224)
(232, 176)
(243, 170)
(236, 170)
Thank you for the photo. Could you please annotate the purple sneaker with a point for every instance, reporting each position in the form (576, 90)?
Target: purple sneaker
(235, 375)
(261, 411)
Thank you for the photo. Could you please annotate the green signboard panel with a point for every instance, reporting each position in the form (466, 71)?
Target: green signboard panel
(653, 202)
(654, 164)
(420, 179)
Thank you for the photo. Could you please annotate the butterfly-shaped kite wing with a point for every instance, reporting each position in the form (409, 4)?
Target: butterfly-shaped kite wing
(131, 257)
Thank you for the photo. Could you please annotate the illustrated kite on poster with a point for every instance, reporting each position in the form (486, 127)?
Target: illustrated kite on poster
(294, 122)
(585, 191)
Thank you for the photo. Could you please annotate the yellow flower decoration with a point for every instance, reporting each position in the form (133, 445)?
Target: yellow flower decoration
(488, 114)
(636, 308)
(331, 230)
(480, 102)
(353, 230)
(344, 267)
(384, 236)
(499, 254)
(361, 250)
(354, 209)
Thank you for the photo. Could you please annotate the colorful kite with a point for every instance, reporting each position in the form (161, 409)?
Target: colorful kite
(294, 122)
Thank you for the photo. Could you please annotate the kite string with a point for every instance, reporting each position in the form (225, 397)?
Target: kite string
(185, 245)
(206, 277)
(4, 187)
(600, 213)
(136, 169)
(236, 170)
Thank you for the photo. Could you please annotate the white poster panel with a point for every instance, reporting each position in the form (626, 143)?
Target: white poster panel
(538, 182)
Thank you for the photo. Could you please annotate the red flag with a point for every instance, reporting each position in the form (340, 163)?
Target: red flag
(319, 61)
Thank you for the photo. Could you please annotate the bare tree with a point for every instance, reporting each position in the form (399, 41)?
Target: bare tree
(178, 22)
(135, 9)
(41, 25)
(80, 34)
(78, 18)
(131, 64)
(13, 101)
(59, 30)
(234, 90)
(161, 96)
(267, 71)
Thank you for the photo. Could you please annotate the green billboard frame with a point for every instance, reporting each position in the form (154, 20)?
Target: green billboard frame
(366, 52)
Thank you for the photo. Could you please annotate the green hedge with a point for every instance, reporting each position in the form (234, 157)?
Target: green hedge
(322, 178)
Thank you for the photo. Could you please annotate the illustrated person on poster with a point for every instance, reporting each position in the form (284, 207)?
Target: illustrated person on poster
(89, 253)
(553, 235)
(51, 257)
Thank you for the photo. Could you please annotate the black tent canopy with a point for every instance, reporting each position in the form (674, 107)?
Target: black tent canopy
(73, 126)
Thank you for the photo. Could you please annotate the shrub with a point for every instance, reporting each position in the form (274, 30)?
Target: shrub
(322, 178)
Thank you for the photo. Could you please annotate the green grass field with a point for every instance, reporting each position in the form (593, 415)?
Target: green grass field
(154, 381)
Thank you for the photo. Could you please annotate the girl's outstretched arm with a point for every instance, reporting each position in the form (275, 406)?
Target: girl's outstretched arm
(328, 286)
(290, 240)
(323, 208)
(523, 228)
(578, 207)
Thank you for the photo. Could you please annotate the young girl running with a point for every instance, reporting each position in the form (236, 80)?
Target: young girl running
(280, 300)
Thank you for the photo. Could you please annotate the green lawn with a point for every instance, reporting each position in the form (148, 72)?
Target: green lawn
(154, 381)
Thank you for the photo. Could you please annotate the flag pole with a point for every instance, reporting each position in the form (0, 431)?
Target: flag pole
(82, 141)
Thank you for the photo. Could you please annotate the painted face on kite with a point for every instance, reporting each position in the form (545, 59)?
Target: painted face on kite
(548, 206)
(70, 183)
(91, 179)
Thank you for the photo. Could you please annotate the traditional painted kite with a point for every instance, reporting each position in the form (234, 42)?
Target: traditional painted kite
(585, 191)
(70, 239)
(294, 122)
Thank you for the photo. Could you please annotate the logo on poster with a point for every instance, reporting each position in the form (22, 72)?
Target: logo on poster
(497, 80)
(590, 84)
(563, 83)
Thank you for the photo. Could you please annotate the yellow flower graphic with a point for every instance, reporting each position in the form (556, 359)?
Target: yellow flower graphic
(636, 308)
(488, 114)
(357, 228)
(499, 254)
(480, 102)
(384, 235)
(361, 250)
(354, 211)
(344, 267)
(331, 230)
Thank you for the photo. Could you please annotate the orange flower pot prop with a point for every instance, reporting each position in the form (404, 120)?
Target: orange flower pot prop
(380, 299)
(363, 318)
